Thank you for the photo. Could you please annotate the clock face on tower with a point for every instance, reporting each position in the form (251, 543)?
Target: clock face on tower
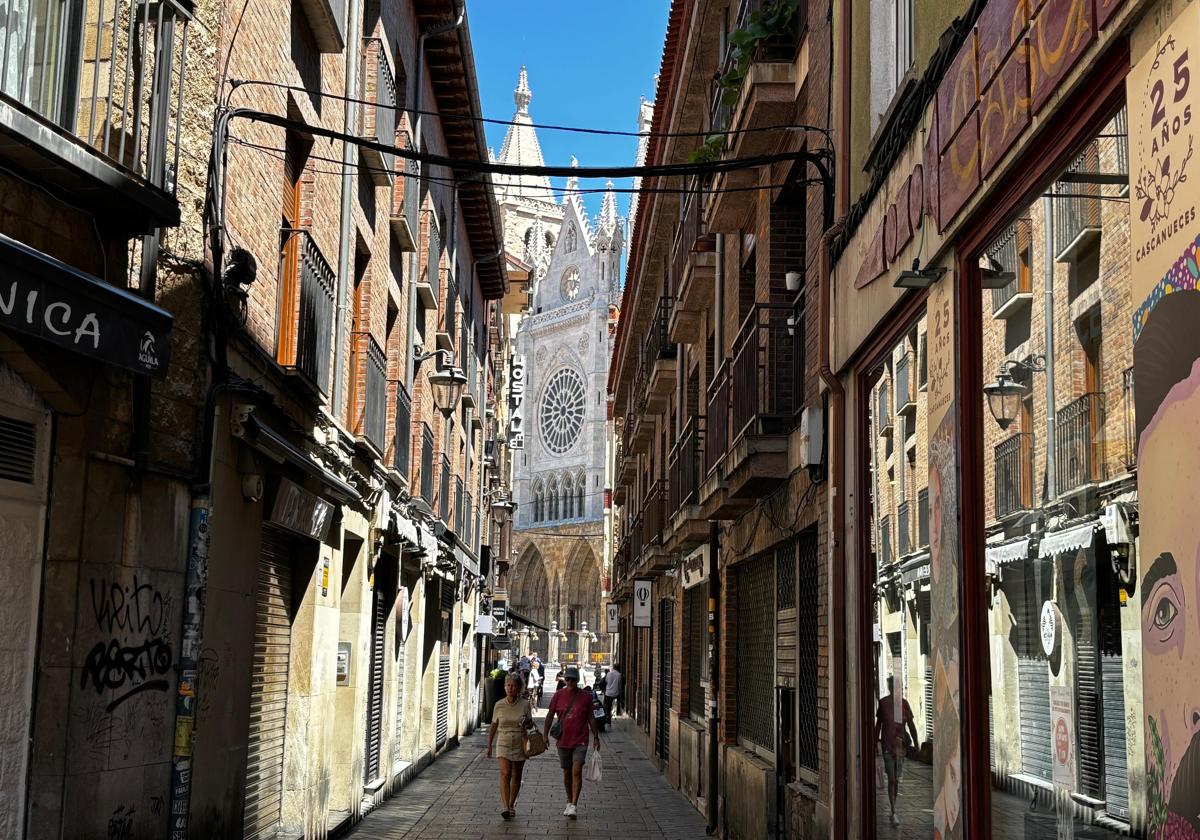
(570, 284)
(560, 417)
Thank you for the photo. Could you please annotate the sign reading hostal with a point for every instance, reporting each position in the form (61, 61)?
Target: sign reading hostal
(516, 402)
(1164, 158)
(642, 591)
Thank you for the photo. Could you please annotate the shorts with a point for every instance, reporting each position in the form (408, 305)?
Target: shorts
(572, 755)
(893, 764)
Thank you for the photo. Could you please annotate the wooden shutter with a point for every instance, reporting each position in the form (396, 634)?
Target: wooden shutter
(269, 687)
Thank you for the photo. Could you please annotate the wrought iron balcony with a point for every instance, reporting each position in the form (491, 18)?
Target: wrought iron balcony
(109, 75)
(883, 413)
(653, 514)
(659, 357)
(764, 356)
(429, 284)
(306, 319)
(1013, 464)
(444, 491)
(693, 266)
(906, 391)
(885, 557)
(406, 200)
(686, 469)
(1077, 206)
(374, 420)
(460, 510)
(716, 437)
(923, 517)
(402, 440)
(1006, 255)
(904, 528)
(378, 117)
(427, 464)
(1079, 446)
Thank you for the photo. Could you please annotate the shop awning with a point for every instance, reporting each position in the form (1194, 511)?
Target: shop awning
(520, 619)
(1002, 554)
(279, 449)
(1068, 539)
(58, 303)
(915, 568)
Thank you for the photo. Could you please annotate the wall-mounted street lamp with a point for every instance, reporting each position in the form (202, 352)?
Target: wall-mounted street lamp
(917, 277)
(993, 274)
(447, 381)
(1004, 396)
(502, 508)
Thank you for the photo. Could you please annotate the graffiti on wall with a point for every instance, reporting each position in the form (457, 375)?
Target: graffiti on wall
(136, 617)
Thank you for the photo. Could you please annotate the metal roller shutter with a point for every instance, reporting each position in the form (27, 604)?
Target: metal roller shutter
(443, 681)
(1088, 734)
(268, 687)
(1034, 697)
(666, 648)
(375, 697)
(755, 711)
(1116, 769)
(929, 700)
(695, 606)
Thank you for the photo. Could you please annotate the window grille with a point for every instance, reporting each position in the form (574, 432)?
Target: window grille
(807, 596)
(755, 711)
(696, 608)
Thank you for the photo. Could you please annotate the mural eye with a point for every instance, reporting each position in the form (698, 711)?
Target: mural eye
(1164, 613)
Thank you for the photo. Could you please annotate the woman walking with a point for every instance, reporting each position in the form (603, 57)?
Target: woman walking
(511, 716)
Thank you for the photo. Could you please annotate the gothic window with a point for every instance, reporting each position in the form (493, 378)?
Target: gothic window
(528, 237)
(553, 515)
(568, 499)
(570, 284)
(580, 488)
(571, 239)
(561, 415)
(539, 501)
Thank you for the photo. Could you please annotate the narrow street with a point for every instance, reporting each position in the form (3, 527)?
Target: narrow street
(456, 799)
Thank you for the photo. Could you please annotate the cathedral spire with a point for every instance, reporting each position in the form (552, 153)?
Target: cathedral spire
(522, 94)
(608, 209)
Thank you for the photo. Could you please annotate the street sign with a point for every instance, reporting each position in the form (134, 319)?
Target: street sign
(641, 602)
(613, 612)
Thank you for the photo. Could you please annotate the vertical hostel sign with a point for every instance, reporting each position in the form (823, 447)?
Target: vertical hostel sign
(641, 602)
(516, 402)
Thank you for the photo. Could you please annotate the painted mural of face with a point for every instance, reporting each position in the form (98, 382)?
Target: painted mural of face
(1169, 462)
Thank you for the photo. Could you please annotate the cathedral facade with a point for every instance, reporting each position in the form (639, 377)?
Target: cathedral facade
(565, 342)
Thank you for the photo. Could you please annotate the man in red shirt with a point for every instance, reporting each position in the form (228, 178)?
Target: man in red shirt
(573, 707)
(891, 718)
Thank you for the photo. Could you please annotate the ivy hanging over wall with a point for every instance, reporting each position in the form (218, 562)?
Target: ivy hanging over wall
(773, 19)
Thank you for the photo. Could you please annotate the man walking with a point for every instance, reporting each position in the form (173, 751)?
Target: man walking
(573, 708)
(891, 718)
(613, 684)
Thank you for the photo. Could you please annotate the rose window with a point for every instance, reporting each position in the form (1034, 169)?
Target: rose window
(570, 284)
(561, 414)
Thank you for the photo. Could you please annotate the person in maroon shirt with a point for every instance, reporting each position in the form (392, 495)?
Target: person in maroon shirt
(892, 716)
(573, 707)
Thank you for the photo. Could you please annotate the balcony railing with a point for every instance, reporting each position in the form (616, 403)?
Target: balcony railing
(923, 517)
(110, 74)
(401, 453)
(883, 413)
(433, 259)
(406, 199)
(1006, 254)
(375, 403)
(444, 491)
(906, 392)
(763, 374)
(1079, 450)
(692, 236)
(427, 464)
(885, 542)
(379, 117)
(306, 346)
(658, 342)
(1077, 205)
(636, 539)
(716, 437)
(904, 528)
(781, 47)
(1013, 461)
(686, 469)
(460, 510)
(653, 514)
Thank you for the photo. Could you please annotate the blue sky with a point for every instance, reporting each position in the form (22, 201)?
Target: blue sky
(589, 62)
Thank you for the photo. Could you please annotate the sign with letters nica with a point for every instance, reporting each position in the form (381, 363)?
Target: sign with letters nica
(642, 590)
(516, 403)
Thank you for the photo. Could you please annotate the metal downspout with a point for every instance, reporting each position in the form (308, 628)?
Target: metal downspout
(835, 422)
(1048, 298)
(353, 42)
(714, 579)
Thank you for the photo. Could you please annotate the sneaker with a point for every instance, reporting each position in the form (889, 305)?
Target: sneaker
(567, 811)
(570, 812)
(895, 819)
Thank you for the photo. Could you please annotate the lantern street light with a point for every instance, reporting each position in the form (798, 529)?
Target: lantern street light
(447, 380)
(502, 508)
(1004, 396)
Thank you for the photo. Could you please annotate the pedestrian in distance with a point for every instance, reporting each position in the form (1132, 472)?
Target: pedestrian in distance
(533, 688)
(573, 708)
(891, 718)
(613, 683)
(510, 717)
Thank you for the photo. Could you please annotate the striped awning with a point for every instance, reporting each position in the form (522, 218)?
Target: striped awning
(1068, 539)
(1005, 553)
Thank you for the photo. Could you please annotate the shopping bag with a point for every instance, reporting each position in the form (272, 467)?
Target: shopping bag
(591, 769)
(535, 743)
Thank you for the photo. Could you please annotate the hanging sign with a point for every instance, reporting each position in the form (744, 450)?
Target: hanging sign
(613, 613)
(641, 602)
(300, 511)
(402, 612)
(499, 616)
(516, 402)
(1049, 628)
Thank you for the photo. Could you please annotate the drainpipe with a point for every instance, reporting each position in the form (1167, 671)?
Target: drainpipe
(345, 235)
(1048, 297)
(714, 577)
(418, 144)
(834, 421)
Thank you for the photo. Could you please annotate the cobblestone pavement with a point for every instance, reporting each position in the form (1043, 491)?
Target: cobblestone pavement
(456, 798)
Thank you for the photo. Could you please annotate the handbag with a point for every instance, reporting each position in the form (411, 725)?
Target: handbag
(556, 727)
(534, 744)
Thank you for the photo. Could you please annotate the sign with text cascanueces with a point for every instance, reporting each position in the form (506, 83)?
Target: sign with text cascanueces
(642, 591)
(516, 402)
(55, 302)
